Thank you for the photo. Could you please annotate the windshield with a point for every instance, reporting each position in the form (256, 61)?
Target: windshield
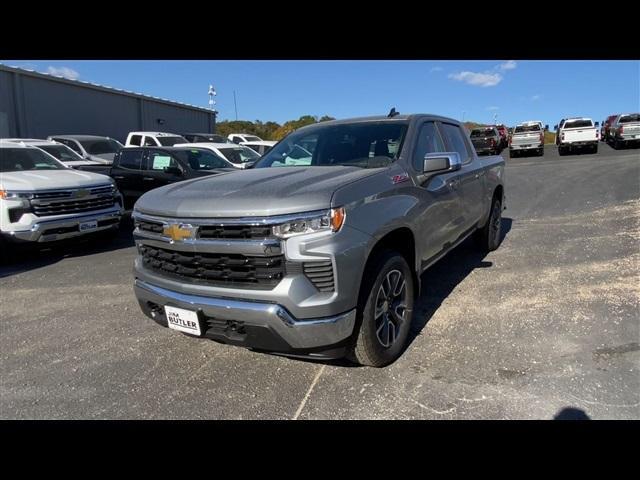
(485, 132)
(201, 159)
(239, 155)
(635, 117)
(100, 147)
(527, 128)
(366, 145)
(61, 152)
(578, 124)
(26, 159)
(171, 141)
(249, 138)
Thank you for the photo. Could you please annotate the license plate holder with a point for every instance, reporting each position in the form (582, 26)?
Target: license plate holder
(183, 320)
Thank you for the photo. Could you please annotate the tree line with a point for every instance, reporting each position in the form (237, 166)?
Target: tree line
(267, 130)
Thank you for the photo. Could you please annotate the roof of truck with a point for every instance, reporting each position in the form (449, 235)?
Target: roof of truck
(80, 137)
(31, 141)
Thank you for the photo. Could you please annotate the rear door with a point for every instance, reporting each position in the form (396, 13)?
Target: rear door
(470, 176)
(127, 172)
(155, 175)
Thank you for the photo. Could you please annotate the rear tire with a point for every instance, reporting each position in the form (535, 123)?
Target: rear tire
(562, 151)
(616, 144)
(490, 236)
(594, 149)
(385, 309)
(541, 152)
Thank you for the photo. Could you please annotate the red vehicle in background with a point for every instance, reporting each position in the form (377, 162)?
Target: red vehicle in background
(605, 134)
(504, 135)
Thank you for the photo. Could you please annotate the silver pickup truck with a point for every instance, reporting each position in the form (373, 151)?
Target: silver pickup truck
(317, 255)
(527, 137)
(625, 130)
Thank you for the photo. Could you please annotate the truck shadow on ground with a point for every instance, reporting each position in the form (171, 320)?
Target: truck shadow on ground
(442, 278)
(24, 259)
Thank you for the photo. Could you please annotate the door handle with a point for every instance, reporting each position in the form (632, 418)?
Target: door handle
(148, 178)
(118, 177)
(454, 183)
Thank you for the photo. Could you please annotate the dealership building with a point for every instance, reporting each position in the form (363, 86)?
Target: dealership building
(36, 105)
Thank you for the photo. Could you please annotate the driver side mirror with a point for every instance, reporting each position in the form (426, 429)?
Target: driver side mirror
(555, 127)
(173, 171)
(546, 128)
(597, 124)
(436, 163)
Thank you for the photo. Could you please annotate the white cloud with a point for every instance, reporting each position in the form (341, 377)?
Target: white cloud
(436, 69)
(485, 79)
(493, 108)
(510, 65)
(536, 97)
(65, 72)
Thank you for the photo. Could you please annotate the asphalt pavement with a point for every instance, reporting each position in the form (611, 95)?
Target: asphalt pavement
(546, 326)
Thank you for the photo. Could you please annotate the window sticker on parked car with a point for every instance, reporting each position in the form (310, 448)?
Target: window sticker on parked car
(160, 162)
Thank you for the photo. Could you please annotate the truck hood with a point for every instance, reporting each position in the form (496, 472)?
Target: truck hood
(50, 180)
(103, 158)
(255, 192)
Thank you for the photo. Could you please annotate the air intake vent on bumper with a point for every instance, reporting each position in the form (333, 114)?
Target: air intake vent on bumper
(320, 274)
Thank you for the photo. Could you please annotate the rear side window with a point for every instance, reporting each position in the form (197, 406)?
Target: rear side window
(131, 159)
(150, 142)
(456, 142)
(135, 140)
(429, 141)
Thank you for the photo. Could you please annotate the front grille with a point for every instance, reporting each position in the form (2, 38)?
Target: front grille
(42, 209)
(234, 231)
(215, 268)
(320, 274)
(213, 232)
(59, 202)
(61, 194)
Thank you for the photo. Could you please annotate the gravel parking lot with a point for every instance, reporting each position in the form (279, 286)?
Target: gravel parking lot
(549, 321)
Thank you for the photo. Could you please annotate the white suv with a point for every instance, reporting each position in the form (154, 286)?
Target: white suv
(153, 139)
(243, 137)
(42, 200)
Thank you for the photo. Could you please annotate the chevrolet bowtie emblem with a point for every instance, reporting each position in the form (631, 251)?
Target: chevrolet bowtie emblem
(179, 232)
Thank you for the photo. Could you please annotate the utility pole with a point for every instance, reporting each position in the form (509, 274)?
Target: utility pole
(212, 102)
(495, 118)
(235, 104)
(463, 112)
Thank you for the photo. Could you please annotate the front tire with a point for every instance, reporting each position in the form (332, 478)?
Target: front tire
(386, 308)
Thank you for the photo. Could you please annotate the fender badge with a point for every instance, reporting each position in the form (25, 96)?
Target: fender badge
(400, 178)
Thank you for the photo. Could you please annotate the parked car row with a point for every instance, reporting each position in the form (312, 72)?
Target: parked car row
(311, 252)
(572, 134)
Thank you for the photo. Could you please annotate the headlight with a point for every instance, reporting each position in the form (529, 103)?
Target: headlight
(329, 220)
(14, 195)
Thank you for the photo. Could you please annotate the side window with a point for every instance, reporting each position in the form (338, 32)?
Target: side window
(136, 140)
(236, 139)
(150, 142)
(131, 159)
(158, 161)
(429, 141)
(456, 141)
(71, 144)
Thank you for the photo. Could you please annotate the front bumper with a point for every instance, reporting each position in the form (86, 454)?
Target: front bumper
(252, 324)
(68, 227)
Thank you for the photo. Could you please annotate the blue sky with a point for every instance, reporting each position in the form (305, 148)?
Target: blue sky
(284, 90)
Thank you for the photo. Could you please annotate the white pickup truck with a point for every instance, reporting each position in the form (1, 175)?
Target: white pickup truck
(577, 133)
(42, 200)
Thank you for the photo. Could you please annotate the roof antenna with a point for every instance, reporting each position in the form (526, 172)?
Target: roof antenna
(393, 113)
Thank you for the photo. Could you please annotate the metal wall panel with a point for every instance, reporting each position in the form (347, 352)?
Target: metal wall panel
(35, 106)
